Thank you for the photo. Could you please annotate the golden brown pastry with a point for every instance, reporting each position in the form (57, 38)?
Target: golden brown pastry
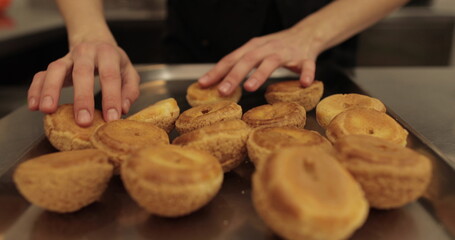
(63, 132)
(207, 114)
(121, 138)
(363, 121)
(332, 105)
(263, 141)
(278, 114)
(64, 181)
(225, 140)
(172, 181)
(292, 91)
(390, 175)
(163, 114)
(195, 95)
(304, 193)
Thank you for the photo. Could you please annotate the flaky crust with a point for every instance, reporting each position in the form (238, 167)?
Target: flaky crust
(225, 140)
(292, 91)
(195, 95)
(63, 132)
(121, 138)
(334, 104)
(304, 193)
(207, 114)
(278, 114)
(362, 121)
(264, 140)
(162, 114)
(64, 181)
(170, 180)
(390, 175)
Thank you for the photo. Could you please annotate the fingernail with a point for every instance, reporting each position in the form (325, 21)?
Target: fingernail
(83, 116)
(112, 114)
(204, 79)
(224, 87)
(306, 81)
(251, 83)
(47, 102)
(126, 105)
(32, 102)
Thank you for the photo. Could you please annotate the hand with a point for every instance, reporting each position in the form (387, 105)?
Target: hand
(293, 48)
(119, 81)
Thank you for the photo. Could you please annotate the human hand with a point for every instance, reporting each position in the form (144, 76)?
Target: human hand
(119, 81)
(294, 48)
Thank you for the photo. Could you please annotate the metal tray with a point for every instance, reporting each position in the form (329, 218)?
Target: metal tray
(230, 215)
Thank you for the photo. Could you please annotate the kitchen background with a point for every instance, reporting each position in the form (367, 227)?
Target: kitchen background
(32, 35)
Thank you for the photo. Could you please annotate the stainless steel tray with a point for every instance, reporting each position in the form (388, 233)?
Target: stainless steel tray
(230, 215)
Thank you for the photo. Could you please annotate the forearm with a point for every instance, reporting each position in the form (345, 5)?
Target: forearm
(342, 19)
(84, 20)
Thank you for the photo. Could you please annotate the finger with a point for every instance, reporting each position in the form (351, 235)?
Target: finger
(34, 92)
(307, 74)
(83, 79)
(52, 84)
(130, 88)
(263, 72)
(108, 61)
(225, 65)
(241, 69)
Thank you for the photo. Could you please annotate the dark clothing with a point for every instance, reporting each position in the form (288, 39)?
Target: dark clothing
(207, 30)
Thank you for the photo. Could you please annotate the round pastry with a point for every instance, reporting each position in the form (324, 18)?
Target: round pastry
(278, 114)
(195, 95)
(225, 140)
(363, 121)
(207, 114)
(63, 132)
(332, 105)
(390, 175)
(292, 91)
(64, 181)
(172, 181)
(163, 114)
(121, 138)
(263, 141)
(304, 193)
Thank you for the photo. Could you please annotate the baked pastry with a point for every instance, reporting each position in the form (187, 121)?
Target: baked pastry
(304, 193)
(172, 181)
(225, 140)
(277, 114)
(195, 95)
(163, 114)
(63, 132)
(365, 121)
(207, 114)
(390, 175)
(334, 104)
(64, 181)
(264, 140)
(121, 138)
(292, 91)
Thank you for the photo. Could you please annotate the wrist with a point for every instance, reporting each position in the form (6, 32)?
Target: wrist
(93, 35)
(313, 36)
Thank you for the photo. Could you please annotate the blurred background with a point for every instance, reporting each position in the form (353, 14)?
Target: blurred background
(32, 35)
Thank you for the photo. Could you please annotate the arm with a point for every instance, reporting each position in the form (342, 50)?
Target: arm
(92, 48)
(297, 47)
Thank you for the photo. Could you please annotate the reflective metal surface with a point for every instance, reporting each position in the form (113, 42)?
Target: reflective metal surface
(230, 215)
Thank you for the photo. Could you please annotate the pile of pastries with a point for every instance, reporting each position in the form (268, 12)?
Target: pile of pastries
(305, 185)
